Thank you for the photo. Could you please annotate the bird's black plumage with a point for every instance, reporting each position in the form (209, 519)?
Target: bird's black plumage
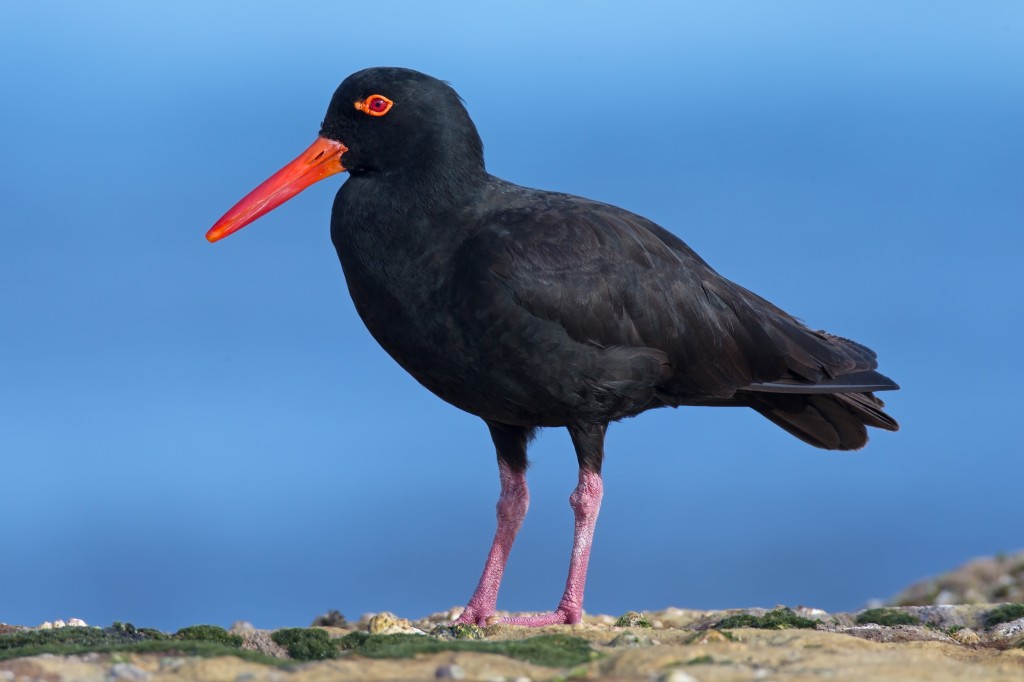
(531, 308)
(535, 308)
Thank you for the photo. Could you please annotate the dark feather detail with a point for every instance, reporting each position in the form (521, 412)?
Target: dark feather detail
(833, 421)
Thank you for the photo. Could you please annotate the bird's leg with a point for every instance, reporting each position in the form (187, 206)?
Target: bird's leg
(586, 503)
(510, 443)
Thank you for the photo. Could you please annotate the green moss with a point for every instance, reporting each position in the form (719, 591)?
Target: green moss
(307, 644)
(209, 633)
(559, 651)
(700, 660)
(632, 619)
(1004, 614)
(353, 640)
(887, 617)
(119, 638)
(779, 619)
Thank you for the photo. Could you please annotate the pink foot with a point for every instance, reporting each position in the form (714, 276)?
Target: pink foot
(559, 617)
(586, 503)
(472, 616)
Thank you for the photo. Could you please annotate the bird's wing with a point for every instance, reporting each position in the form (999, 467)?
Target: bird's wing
(610, 278)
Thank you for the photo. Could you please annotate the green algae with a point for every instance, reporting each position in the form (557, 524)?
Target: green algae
(119, 638)
(209, 633)
(779, 619)
(887, 617)
(307, 644)
(302, 644)
(557, 651)
(1004, 614)
(353, 640)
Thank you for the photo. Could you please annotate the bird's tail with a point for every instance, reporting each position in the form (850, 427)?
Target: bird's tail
(834, 421)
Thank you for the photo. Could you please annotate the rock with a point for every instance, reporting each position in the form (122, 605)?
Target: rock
(331, 619)
(1006, 630)
(678, 675)
(631, 639)
(260, 640)
(77, 623)
(128, 671)
(966, 636)
(632, 619)
(59, 623)
(171, 664)
(683, 651)
(711, 636)
(46, 625)
(240, 626)
(896, 633)
(450, 672)
(992, 579)
(386, 623)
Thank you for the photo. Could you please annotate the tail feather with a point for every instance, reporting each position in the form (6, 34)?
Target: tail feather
(835, 421)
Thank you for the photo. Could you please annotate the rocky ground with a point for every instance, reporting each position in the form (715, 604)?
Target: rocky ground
(932, 640)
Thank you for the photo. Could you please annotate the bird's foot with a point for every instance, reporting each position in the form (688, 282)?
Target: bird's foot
(560, 617)
(479, 617)
(474, 616)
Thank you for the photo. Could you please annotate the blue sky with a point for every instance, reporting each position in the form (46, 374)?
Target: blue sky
(204, 433)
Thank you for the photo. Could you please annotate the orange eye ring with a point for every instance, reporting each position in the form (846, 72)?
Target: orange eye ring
(375, 105)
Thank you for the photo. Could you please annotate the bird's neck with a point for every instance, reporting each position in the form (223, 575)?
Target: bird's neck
(399, 219)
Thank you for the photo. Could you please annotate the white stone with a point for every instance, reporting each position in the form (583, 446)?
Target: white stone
(77, 623)
(678, 676)
(46, 626)
(59, 623)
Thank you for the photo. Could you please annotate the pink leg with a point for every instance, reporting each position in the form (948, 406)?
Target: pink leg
(512, 506)
(586, 503)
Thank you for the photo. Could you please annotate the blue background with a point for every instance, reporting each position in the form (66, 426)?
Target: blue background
(201, 433)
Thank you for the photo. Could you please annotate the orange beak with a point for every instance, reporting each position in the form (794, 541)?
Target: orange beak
(322, 159)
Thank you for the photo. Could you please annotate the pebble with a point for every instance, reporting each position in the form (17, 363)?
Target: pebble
(632, 619)
(128, 671)
(386, 623)
(678, 676)
(450, 672)
(631, 640)
(72, 622)
(7, 675)
(966, 636)
(330, 619)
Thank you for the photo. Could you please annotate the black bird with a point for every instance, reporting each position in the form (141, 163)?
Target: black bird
(530, 308)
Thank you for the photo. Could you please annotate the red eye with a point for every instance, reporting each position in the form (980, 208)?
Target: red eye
(375, 105)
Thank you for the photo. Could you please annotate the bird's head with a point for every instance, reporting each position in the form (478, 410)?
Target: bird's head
(391, 122)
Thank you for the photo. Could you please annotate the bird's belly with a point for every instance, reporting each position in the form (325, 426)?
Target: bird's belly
(475, 379)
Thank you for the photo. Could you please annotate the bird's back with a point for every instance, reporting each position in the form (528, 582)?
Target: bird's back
(593, 277)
